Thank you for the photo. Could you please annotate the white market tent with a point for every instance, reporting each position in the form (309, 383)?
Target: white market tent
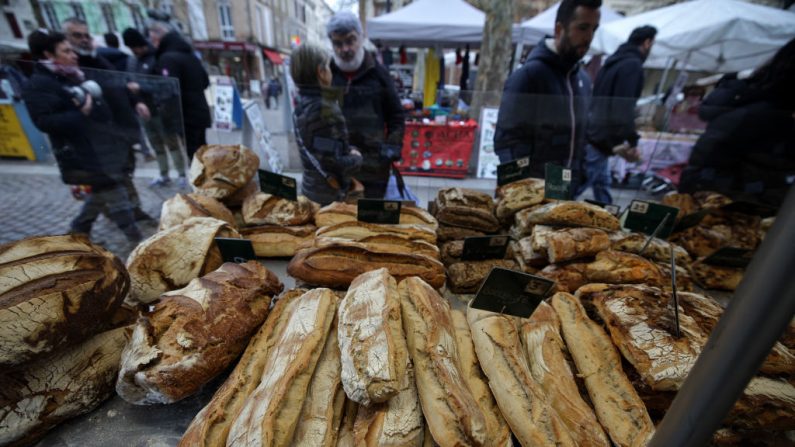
(532, 30)
(429, 23)
(709, 35)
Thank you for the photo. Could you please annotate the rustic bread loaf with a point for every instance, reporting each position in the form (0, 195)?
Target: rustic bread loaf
(701, 240)
(345, 438)
(711, 199)
(518, 195)
(522, 402)
(549, 368)
(236, 199)
(715, 276)
(618, 407)
(497, 432)
(568, 277)
(218, 171)
(379, 244)
(573, 214)
(273, 241)
(451, 412)
(685, 202)
(194, 333)
(338, 265)
(210, 427)
(338, 212)
(270, 414)
(658, 250)
(467, 276)
(565, 244)
(618, 267)
(451, 252)
(267, 209)
(684, 281)
(170, 259)
(465, 208)
(50, 390)
(369, 329)
(766, 404)
(182, 207)
(355, 230)
(523, 249)
(55, 291)
(448, 233)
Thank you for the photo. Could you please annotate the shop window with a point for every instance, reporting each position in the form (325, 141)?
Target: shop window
(110, 20)
(225, 19)
(12, 23)
(265, 25)
(77, 11)
(48, 11)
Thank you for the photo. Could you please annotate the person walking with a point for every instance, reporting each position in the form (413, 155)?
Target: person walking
(611, 124)
(545, 102)
(371, 105)
(175, 58)
(328, 159)
(79, 121)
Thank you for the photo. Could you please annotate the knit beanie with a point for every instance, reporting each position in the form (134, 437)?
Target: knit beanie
(133, 38)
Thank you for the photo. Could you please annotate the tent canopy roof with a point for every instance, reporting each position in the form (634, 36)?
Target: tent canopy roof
(426, 23)
(532, 30)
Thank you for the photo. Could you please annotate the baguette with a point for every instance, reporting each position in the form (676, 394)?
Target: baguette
(355, 231)
(447, 233)
(338, 212)
(379, 244)
(451, 412)
(273, 241)
(618, 407)
(549, 368)
(345, 438)
(497, 432)
(373, 349)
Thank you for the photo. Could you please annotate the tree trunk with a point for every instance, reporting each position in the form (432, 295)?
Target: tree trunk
(495, 54)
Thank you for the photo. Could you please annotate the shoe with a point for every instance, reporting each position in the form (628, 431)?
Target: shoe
(160, 181)
(182, 182)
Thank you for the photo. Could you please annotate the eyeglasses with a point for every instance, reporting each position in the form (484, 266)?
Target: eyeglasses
(77, 35)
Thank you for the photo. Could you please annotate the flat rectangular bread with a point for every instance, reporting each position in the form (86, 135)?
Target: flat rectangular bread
(452, 415)
(467, 276)
(210, 427)
(567, 213)
(373, 348)
(379, 244)
(522, 402)
(618, 267)
(355, 230)
(529, 256)
(716, 277)
(549, 368)
(466, 208)
(449, 233)
(701, 241)
(338, 212)
(275, 241)
(497, 432)
(270, 414)
(337, 265)
(266, 209)
(641, 324)
(518, 195)
(397, 422)
(617, 405)
(450, 252)
(565, 244)
(659, 250)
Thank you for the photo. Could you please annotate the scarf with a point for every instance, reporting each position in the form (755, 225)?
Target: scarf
(72, 73)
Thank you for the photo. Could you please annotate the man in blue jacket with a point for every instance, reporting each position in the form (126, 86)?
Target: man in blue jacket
(611, 123)
(544, 103)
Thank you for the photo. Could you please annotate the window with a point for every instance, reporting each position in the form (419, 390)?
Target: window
(225, 19)
(265, 28)
(138, 18)
(77, 11)
(110, 20)
(167, 6)
(48, 11)
(12, 23)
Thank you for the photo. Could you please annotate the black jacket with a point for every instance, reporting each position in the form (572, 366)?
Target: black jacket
(372, 110)
(115, 57)
(160, 95)
(324, 136)
(86, 148)
(175, 58)
(747, 150)
(539, 102)
(616, 90)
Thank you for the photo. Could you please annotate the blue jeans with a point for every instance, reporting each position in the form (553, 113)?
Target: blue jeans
(597, 174)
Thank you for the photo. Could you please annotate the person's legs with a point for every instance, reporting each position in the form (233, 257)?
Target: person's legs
(120, 210)
(194, 139)
(597, 175)
(92, 207)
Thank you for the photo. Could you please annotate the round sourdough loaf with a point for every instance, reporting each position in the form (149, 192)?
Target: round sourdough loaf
(218, 170)
(55, 291)
(182, 207)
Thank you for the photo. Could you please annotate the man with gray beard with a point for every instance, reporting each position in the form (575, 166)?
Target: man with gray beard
(370, 103)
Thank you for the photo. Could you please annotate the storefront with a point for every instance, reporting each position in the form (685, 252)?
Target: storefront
(241, 61)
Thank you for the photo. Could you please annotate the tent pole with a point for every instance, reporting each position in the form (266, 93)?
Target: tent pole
(517, 56)
(756, 317)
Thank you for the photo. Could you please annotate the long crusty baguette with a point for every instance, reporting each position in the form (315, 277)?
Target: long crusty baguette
(372, 346)
(338, 212)
(497, 432)
(549, 368)
(210, 427)
(270, 414)
(618, 407)
(450, 410)
(565, 244)
(523, 404)
(355, 230)
(349, 411)
(272, 241)
(379, 244)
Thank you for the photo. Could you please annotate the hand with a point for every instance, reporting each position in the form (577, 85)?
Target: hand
(133, 87)
(89, 104)
(143, 111)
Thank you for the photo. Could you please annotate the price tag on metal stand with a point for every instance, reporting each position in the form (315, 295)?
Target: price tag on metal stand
(484, 247)
(654, 234)
(730, 257)
(645, 217)
(612, 209)
(557, 182)
(673, 292)
(754, 209)
(235, 250)
(378, 211)
(690, 220)
(278, 185)
(511, 292)
(513, 170)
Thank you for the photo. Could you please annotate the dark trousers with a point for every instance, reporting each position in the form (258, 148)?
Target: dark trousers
(115, 202)
(195, 137)
(597, 175)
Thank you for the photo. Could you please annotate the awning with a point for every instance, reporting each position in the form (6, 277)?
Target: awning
(223, 45)
(273, 56)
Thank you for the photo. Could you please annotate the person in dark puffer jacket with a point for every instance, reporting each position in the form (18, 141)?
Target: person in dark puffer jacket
(328, 159)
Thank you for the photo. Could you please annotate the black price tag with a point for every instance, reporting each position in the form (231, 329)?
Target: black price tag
(484, 247)
(690, 220)
(730, 257)
(235, 250)
(278, 185)
(645, 217)
(754, 209)
(557, 182)
(612, 209)
(379, 211)
(511, 292)
(513, 170)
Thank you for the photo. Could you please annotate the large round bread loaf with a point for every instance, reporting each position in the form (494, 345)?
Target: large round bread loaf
(218, 170)
(171, 258)
(55, 291)
(182, 207)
